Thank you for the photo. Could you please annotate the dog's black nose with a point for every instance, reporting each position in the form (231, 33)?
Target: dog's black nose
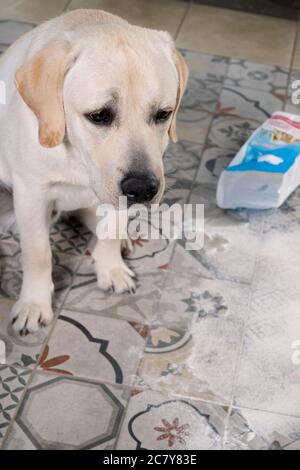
(141, 188)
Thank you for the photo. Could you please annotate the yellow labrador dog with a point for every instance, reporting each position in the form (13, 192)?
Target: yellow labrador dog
(91, 103)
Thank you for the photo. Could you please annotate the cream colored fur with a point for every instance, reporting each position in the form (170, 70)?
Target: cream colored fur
(53, 158)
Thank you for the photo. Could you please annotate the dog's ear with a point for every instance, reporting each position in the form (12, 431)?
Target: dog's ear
(183, 75)
(40, 84)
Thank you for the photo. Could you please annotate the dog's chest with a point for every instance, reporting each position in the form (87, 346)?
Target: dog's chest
(72, 198)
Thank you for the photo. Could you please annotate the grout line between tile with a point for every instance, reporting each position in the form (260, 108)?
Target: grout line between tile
(188, 7)
(261, 410)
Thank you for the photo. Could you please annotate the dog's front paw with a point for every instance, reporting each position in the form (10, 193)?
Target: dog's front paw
(27, 317)
(119, 278)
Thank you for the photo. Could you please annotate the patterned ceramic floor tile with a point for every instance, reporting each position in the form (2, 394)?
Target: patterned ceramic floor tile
(209, 67)
(205, 81)
(64, 270)
(152, 248)
(150, 256)
(214, 161)
(183, 272)
(249, 103)
(67, 236)
(95, 347)
(48, 419)
(196, 312)
(11, 269)
(160, 422)
(287, 216)
(33, 11)
(193, 125)
(243, 74)
(183, 275)
(227, 135)
(85, 296)
(291, 107)
(166, 15)
(68, 240)
(10, 237)
(182, 168)
(237, 34)
(284, 220)
(199, 362)
(194, 350)
(12, 385)
(269, 378)
(20, 350)
(231, 238)
(255, 430)
(279, 248)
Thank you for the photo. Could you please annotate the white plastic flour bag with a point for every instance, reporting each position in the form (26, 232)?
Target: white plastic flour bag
(267, 168)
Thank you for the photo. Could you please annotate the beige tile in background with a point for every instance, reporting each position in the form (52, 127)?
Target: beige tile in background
(33, 11)
(296, 62)
(235, 34)
(166, 14)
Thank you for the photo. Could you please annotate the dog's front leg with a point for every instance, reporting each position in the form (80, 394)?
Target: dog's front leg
(33, 309)
(112, 271)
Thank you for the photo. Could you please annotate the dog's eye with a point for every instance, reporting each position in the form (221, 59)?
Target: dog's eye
(104, 117)
(162, 116)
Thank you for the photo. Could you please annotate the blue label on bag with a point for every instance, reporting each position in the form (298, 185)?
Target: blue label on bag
(267, 160)
(263, 155)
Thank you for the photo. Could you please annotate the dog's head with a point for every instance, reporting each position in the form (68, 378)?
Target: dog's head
(111, 93)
